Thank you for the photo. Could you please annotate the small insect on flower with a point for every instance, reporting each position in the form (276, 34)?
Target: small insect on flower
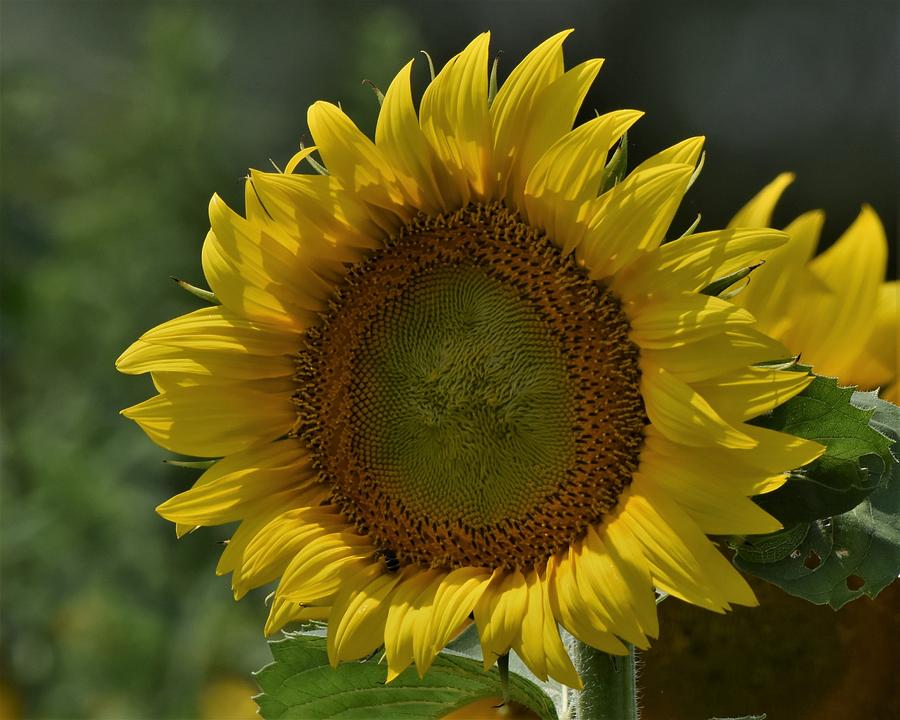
(391, 562)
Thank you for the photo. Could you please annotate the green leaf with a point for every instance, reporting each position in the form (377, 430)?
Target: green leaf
(775, 546)
(301, 684)
(855, 462)
(840, 558)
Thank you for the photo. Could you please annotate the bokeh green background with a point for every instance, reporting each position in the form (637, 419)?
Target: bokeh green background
(118, 122)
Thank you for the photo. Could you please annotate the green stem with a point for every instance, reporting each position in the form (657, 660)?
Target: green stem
(503, 665)
(610, 690)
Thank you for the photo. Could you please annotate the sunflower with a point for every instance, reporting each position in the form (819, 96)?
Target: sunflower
(835, 309)
(457, 378)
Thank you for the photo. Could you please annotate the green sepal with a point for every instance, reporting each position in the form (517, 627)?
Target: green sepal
(837, 559)
(205, 295)
(377, 90)
(690, 229)
(430, 63)
(301, 684)
(697, 170)
(192, 464)
(717, 287)
(313, 163)
(617, 167)
(492, 80)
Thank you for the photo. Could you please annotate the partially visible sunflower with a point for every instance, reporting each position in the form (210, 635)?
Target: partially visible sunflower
(452, 380)
(833, 309)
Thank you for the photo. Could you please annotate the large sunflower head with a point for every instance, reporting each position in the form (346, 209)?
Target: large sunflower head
(835, 308)
(459, 377)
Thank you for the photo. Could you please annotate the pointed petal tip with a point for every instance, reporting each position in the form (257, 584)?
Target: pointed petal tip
(786, 177)
(164, 510)
(130, 412)
(121, 360)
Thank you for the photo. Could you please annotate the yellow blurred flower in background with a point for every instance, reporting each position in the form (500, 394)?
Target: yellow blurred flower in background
(228, 697)
(834, 309)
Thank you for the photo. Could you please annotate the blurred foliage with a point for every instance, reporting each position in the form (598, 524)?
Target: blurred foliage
(106, 177)
(119, 120)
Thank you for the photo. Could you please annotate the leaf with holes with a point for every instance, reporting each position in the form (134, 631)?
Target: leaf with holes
(856, 462)
(301, 684)
(841, 558)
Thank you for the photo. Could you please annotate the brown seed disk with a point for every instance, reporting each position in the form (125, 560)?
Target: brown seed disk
(412, 506)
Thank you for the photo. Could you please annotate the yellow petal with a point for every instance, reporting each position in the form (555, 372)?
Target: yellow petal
(773, 288)
(399, 137)
(682, 415)
(353, 158)
(270, 551)
(833, 333)
(749, 392)
(567, 177)
(254, 210)
(218, 329)
(686, 152)
(631, 217)
(606, 590)
(358, 613)
(191, 377)
(628, 559)
(715, 503)
(213, 421)
(454, 117)
(878, 364)
(182, 529)
(499, 613)
(233, 555)
(318, 568)
(283, 612)
(260, 272)
(453, 603)
(758, 212)
(734, 348)
(412, 599)
(330, 224)
(682, 560)
(294, 163)
(677, 320)
(554, 112)
(694, 261)
(779, 452)
(513, 108)
(538, 643)
(747, 472)
(229, 489)
(143, 357)
(573, 612)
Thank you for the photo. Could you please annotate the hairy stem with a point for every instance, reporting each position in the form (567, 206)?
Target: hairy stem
(610, 689)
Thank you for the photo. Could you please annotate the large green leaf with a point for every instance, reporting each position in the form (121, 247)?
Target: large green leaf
(855, 463)
(837, 559)
(301, 684)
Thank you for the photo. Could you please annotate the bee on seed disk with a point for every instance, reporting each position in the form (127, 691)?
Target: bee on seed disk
(391, 562)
